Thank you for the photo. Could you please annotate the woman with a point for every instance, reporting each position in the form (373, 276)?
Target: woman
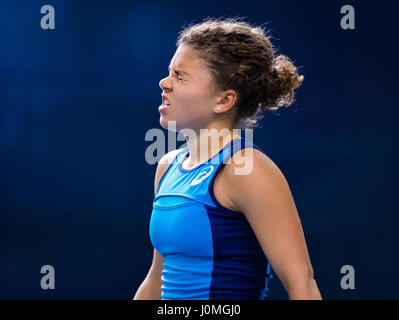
(216, 232)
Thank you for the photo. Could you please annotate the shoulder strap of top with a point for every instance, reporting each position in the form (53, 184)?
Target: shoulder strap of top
(232, 147)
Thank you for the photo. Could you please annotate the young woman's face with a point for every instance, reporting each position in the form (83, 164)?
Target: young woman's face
(188, 90)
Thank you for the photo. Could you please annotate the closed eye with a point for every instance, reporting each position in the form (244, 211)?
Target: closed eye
(176, 73)
(177, 76)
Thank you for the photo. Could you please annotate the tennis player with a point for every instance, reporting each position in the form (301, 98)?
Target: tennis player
(223, 215)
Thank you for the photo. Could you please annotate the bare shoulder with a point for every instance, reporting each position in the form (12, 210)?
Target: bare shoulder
(163, 165)
(252, 174)
(252, 162)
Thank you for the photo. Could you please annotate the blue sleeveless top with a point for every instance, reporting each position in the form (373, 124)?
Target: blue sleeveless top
(211, 252)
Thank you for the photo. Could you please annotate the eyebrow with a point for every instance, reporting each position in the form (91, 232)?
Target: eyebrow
(178, 71)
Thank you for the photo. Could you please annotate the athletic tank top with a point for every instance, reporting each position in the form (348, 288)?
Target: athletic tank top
(210, 251)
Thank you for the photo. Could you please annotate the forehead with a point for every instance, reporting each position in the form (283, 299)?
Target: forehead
(186, 60)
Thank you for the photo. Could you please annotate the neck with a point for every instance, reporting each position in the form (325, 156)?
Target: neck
(203, 144)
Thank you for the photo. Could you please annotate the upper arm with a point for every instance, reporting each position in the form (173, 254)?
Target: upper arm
(265, 199)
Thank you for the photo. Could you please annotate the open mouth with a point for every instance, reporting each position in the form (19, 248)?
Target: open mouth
(165, 104)
(165, 101)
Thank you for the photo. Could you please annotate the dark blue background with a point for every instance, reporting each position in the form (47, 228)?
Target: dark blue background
(76, 102)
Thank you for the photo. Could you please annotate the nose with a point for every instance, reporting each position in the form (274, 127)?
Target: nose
(165, 83)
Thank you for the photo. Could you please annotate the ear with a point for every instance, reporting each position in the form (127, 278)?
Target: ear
(225, 101)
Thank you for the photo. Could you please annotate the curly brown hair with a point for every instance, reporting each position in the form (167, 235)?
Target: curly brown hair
(241, 57)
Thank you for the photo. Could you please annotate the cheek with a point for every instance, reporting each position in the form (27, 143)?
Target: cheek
(195, 101)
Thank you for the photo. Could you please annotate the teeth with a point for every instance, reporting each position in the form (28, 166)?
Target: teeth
(166, 102)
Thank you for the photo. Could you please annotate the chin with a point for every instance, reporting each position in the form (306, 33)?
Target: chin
(171, 127)
(162, 123)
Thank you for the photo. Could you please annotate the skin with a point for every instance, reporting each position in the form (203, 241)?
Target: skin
(192, 98)
(262, 195)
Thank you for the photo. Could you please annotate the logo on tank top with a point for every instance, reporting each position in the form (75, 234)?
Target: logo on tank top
(202, 176)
